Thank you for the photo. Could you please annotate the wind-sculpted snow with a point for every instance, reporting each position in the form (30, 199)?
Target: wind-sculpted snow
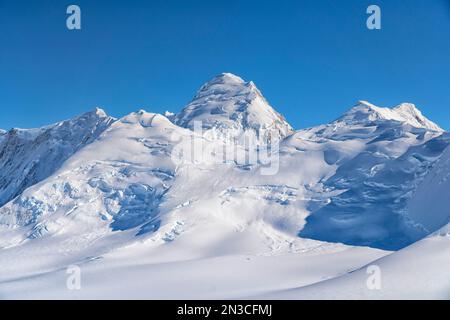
(27, 156)
(145, 191)
(419, 271)
(375, 184)
(348, 181)
(430, 205)
(365, 112)
(116, 183)
(228, 106)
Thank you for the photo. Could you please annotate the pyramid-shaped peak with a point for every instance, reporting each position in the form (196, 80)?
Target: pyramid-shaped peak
(227, 102)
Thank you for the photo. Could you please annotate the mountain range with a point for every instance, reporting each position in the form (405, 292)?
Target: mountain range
(123, 200)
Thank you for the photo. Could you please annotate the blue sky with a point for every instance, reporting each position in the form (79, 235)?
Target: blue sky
(311, 59)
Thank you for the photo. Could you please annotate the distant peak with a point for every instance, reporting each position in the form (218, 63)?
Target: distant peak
(146, 119)
(408, 108)
(405, 112)
(227, 102)
(415, 117)
(99, 112)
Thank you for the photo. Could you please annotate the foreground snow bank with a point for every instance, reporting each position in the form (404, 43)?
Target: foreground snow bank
(138, 272)
(420, 271)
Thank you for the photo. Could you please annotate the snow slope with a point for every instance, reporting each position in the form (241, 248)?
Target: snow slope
(378, 164)
(405, 113)
(121, 204)
(229, 106)
(130, 199)
(28, 156)
(430, 205)
(116, 182)
(127, 180)
(419, 271)
(143, 271)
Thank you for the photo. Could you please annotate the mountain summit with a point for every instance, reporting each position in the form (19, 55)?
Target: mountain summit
(405, 112)
(28, 156)
(228, 105)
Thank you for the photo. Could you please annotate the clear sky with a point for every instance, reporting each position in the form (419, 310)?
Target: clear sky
(311, 59)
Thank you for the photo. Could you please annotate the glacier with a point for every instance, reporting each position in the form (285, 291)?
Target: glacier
(28, 156)
(117, 198)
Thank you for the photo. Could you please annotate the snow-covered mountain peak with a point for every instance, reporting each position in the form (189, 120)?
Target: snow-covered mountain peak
(407, 113)
(225, 77)
(414, 116)
(99, 112)
(407, 108)
(227, 104)
(223, 84)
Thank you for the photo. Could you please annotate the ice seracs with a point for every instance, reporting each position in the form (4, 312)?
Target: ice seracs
(414, 116)
(28, 156)
(229, 106)
(113, 197)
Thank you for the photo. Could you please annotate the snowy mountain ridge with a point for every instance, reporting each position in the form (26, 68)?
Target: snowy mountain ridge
(113, 194)
(28, 156)
(406, 112)
(381, 143)
(227, 105)
(2, 135)
(430, 196)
